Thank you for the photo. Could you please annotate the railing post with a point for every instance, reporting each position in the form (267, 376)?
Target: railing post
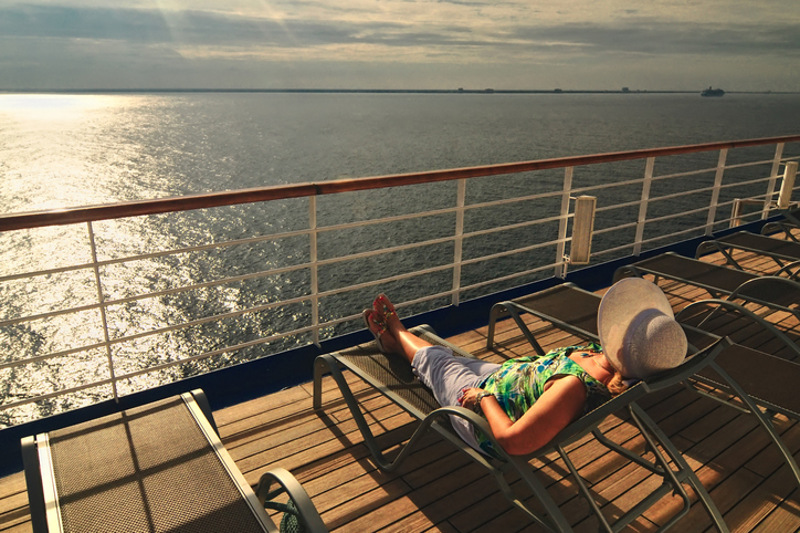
(736, 213)
(561, 255)
(787, 185)
(458, 240)
(712, 208)
(643, 204)
(103, 316)
(312, 237)
(580, 246)
(773, 180)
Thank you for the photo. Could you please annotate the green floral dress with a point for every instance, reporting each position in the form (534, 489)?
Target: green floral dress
(518, 383)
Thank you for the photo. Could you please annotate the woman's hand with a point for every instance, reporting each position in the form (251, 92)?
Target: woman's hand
(469, 397)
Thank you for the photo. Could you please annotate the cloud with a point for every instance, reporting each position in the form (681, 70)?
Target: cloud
(36, 21)
(653, 37)
(211, 28)
(130, 25)
(302, 35)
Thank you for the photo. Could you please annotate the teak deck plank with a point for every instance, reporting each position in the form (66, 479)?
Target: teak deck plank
(440, 489)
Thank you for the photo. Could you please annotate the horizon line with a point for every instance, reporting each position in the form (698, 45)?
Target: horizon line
(387, 91)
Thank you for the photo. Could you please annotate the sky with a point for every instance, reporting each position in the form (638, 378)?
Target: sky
(739, 45)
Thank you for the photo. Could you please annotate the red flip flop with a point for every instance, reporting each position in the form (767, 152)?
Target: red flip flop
(371, 325)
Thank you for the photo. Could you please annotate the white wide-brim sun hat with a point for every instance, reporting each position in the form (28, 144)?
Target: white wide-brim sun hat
(638, 330)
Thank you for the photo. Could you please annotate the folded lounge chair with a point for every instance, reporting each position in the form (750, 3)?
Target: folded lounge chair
(574, 310)
(160, 468)
(392, 376)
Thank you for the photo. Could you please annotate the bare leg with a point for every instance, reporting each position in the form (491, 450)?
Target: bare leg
(407, 342)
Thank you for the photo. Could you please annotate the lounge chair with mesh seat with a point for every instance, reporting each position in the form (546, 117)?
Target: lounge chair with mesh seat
(159, 467)
(776, 356)
(724, 317)
(574, 310)
(391, 375)
(775, 292)
(785, 253)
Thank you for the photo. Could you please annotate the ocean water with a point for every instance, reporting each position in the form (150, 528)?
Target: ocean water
(68, 150)
(61, 151)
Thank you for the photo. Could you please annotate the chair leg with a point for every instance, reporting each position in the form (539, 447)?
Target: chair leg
(322, 366)
(584, 490)
(650, 430)
(671, 482)
(498, 310)
(329, 363)
(33, 480)
(753, 409)
(516, 313)
(509, 308)
(729, 258)
(553, 519)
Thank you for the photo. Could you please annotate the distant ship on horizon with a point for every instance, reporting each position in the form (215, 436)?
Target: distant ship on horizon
(712, 92)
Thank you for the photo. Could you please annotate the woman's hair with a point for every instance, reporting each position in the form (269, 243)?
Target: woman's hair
(617, 385)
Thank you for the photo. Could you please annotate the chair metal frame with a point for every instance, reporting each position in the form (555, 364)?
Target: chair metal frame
(771, 291)
(788, 225)
(783, 252)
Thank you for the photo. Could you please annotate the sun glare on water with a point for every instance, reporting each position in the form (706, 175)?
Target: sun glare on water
(50, 107)
(59, 151)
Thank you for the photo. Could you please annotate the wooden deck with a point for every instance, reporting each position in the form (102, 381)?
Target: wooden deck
(439, 489)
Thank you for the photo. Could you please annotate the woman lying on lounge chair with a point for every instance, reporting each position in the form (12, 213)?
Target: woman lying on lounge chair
(528, 400)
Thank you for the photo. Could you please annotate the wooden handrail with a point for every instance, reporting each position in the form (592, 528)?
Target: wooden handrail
(224, 198)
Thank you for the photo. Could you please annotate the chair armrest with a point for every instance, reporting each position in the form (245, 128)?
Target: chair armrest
(289, 484)
(476, 421)
(202, 401)
(33, 481)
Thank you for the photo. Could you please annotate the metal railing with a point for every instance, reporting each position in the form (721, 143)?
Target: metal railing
(103, 301)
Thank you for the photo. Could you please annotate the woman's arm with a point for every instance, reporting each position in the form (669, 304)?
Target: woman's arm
(559, 405)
